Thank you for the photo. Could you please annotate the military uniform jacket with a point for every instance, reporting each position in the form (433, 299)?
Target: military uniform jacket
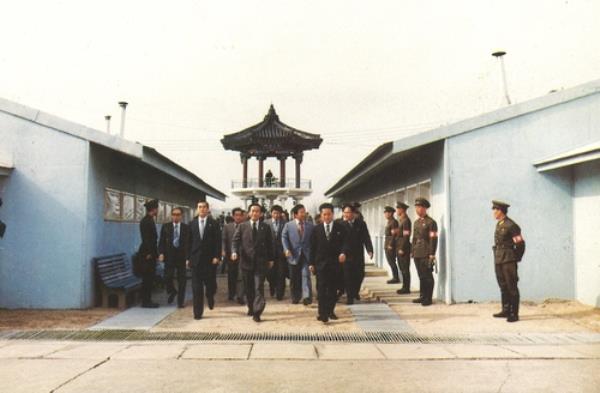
(403, 239)
(149, 246)
(391, 233)
(509, 245)
(425, 237)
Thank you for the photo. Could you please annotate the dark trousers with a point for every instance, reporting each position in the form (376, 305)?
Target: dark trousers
(508, 278)
(232, 278)
(390, 255)
(148, 282)
(327, 285)
(404, 264)
(296, 281)
(426, 280)
(254, 284)
(354, 273)
(202, 283)
(276, 277)
(176, 269)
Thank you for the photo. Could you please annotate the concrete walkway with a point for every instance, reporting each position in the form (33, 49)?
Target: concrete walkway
(135, 318)
(378, 317)
(49, 366)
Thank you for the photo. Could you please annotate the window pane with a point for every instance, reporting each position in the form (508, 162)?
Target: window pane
(112, 205)
(168, 209)
(425, 190)
(128, 207)
(411, 196)
(161, 213)
(140, 210)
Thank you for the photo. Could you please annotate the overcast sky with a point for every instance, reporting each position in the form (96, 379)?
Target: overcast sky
(359, 73)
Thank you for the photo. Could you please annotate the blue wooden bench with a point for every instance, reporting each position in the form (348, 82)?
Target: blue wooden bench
(116, 278)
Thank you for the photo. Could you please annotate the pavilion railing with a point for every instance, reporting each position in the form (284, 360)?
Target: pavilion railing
(273, 182)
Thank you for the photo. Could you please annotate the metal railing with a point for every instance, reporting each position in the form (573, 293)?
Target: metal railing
(273, 182)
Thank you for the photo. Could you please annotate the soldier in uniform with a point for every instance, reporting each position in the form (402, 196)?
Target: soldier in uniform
(424, 247)
(148, 252)
(509, 248)
(391, 233)
(403, 246)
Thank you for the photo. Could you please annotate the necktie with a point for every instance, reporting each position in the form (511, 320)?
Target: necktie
(327, 231)
(202, 228)
(176, 236)
(301, 229)
(254, 230)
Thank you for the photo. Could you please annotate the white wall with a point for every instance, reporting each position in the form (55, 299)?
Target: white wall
(586, 211)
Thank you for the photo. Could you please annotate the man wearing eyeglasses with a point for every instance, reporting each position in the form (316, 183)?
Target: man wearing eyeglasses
(173, 248)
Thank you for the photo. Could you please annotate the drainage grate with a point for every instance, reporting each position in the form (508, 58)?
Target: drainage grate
(345, 337)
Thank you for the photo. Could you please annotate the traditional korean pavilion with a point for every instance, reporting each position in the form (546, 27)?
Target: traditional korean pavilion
(271, 138)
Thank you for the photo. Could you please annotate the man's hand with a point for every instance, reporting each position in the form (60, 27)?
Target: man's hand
(311, 268)
(287, 253)
(188, 264)
(431, 257)
(400, 252)
(370, 255)
(148, 257)
(223, 254)
(342, 258)
(270, 264)
(161, 257)
(234, 257)
(215, 261)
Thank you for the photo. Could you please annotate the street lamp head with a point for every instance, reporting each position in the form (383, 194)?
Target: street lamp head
(499, 53)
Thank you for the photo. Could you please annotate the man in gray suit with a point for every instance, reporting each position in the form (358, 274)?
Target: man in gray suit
(296, 245)
(277, 275)
(253, 245)
(234, 276)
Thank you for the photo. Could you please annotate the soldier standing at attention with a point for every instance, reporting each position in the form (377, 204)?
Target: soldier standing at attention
(424, 247)
(391, 233)
(509, 248)
(403, 246)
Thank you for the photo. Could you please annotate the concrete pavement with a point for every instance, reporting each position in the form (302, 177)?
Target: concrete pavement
(67, 366)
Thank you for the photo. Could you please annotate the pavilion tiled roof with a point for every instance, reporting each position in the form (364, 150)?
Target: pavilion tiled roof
(271, 137)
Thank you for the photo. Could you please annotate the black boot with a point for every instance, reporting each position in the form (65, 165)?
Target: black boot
(513, 310)
(427, 294)
(394, 280)
(504, 312)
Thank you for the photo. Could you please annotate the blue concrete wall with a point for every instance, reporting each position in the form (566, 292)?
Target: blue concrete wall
(495, 162)
(121, 172)
(587, 227)
(44, 207)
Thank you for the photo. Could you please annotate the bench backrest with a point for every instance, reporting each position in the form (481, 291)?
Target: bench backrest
(112, 267)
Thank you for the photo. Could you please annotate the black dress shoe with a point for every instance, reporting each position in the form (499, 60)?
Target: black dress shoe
(350, 301)
(250, 313)
(357, 296)
(230, 298)
(295, 301)
(393, 281)
(426, 302)
(211, 302)
(181, 306)
(280, 298)
(150, 305)
(322, 319)
(306, 301)
(256, 318)
(171, 297)
(403, 291)
(241, 301)
(417, 300)
(333, 316)
(197, 318)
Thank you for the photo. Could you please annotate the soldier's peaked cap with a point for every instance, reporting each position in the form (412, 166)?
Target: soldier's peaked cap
(422, 202)
(388, 209)
(500, 205)
(152, 204)
(401, 205)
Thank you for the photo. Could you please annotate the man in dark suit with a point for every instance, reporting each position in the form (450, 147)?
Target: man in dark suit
(359, 239)
(174, 249)
(253, 245)
(278, 273)
(148, 252)
(328, 252)
(204, 258)
(234, 279)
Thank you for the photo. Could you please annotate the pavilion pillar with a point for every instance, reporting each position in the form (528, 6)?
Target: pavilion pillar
(282, 170)
(298, 157)
(261, 171)
(244, 158)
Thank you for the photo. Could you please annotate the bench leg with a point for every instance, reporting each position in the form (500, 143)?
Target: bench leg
(122, 300)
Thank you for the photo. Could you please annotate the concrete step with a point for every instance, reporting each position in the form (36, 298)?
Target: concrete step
(375, 272)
